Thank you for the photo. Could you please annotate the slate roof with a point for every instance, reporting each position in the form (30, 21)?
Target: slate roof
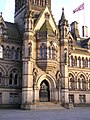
(84, 43)
(12, 31)
(47, 27)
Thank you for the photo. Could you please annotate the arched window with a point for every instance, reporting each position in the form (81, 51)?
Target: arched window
(71, 60)
(7, 52)
(79, 62)
(86, 62)
(1, 51)
(13, 53)
(71, 82)
(82, 62)
(75, 61)
(14, 77)
(18, 54)
(81, 82)
(52, 52)
(43, 50)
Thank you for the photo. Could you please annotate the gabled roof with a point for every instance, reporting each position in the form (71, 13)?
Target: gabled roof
(47, 27)
(41, 20)
(12, 31)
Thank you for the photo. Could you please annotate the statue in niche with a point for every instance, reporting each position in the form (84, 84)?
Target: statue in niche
(58, 79)
(34, 76)
(29, 49)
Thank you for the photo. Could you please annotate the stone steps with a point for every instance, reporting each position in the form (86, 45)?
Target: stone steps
(48, 106)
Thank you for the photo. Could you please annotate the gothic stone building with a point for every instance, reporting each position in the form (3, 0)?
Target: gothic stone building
(41, 61)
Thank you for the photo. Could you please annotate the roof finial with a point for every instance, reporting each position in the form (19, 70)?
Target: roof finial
(63, 10)
(0, 14)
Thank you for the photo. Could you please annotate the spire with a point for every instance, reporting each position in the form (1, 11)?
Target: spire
(63, 15)
(63, 20)
(1, 18)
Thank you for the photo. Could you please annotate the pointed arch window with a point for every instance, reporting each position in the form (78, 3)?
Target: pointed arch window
(79, 62)
(52, 52)
(75, 61)
(81, 82)
(82, 62)
(14, 77)
(13, 53)
(43, 50)
(18, 54)
(7, 52)
(71, 61)
(71, 82)
(86, 62)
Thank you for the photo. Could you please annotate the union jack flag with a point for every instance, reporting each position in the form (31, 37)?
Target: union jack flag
(81, 7)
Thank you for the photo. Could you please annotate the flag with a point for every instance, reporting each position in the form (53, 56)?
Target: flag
(81, 7)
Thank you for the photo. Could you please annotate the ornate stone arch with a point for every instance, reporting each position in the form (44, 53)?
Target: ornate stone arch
(81, 79)
(3, 69)
(82, 74)
(52, 50)
(50, 80)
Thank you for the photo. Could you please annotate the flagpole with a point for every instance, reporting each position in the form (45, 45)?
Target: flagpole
(84, 15)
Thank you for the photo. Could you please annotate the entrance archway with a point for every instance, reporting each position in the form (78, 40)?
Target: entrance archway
(44, 93)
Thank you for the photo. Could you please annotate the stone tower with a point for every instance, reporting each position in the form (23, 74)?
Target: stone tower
(24, 6)
(63, 31)
(27, 15)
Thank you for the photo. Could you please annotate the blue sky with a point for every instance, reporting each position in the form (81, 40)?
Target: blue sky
(7, 8)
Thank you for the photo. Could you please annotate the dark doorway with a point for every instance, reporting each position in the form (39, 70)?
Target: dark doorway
(44, 93)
